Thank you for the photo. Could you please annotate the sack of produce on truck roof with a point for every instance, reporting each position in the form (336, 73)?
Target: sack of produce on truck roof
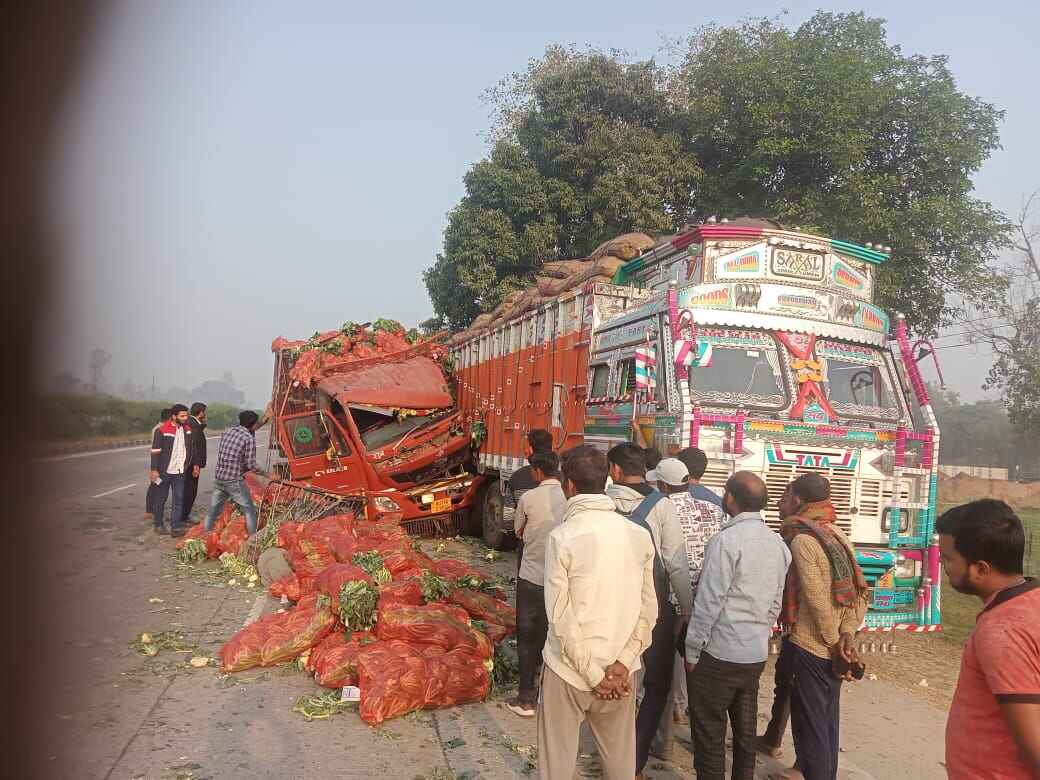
(483, 606)
(397, 678)
(626, 247)
(337, 666)
(406, 591)
(304, 629)
(434, 624)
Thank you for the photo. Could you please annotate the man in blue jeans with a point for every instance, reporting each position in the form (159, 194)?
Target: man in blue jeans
(171, 443)
(235, 456)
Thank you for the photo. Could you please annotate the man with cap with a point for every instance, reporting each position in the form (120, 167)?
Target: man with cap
(699, 521)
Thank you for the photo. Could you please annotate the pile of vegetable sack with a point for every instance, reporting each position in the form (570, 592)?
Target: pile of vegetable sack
(372, 610)
(350, 343)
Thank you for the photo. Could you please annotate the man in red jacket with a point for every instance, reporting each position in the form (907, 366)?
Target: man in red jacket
(171, 444)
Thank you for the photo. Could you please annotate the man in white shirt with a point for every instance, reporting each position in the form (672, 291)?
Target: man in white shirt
(602, 607)
(538, 512)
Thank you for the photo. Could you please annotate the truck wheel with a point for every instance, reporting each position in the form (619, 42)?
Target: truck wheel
(492, 519)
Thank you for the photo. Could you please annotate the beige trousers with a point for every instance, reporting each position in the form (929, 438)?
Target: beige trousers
(562, 709)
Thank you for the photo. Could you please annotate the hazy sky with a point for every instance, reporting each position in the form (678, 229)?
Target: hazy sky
(235, 171)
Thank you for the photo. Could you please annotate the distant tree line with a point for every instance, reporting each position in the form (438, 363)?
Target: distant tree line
(980, 434)
(70, 417)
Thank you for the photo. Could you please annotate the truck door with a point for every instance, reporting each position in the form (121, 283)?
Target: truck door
(320, 452)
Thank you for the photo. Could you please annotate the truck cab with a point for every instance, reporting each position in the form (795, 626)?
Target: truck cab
(383, 428)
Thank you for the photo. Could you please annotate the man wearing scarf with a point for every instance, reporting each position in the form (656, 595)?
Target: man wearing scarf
(825, 600)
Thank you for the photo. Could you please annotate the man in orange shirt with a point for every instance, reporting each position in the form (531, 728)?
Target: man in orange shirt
(994, 726)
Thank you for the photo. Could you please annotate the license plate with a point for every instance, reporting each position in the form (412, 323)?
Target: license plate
(441, 505)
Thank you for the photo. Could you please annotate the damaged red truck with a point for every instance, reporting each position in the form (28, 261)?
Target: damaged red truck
(377, 421)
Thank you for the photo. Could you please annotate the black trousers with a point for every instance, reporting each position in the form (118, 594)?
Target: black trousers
(815, 697)
(532, 625)
(191, 490)
(781, 712)
(717, 689)
(658, 665)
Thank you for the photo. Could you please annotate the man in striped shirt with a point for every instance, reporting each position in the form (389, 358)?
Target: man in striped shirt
(235, 456)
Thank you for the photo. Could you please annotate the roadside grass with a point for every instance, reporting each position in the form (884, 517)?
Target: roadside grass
(959, 611)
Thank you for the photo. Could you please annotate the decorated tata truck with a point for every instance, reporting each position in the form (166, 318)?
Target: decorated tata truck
(362, 412)
(762, 346)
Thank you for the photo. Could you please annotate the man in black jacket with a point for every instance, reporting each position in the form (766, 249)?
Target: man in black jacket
(196, 458)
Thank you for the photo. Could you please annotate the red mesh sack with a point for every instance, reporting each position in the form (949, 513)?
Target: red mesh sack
(483, 606)
(287, 535)
(407, 591)
(311, 557)
(195, 532)
(292, 586)
(331, 642)
(434, 624)
(245, 649)
(495, 632)
(385, 531)
(338, 666)
(455, 677)
(343, 547)
(333, 577)
(233, 535)
(327, 527)
(212, 540)
(397, 678)
(382, 546)
(401, 565)
(391, 676)
(452, 569)
(304, 629)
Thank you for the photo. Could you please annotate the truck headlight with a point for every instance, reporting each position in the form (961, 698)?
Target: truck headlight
(384, 504)
(427, 498)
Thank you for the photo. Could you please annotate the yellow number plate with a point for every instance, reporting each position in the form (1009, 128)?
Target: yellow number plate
(441, 505)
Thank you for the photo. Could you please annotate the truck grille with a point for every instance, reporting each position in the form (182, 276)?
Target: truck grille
(779, 475)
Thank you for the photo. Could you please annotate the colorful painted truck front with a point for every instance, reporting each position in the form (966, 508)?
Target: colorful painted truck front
(766, 351)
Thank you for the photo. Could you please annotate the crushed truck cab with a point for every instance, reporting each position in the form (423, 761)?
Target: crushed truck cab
(384, 428)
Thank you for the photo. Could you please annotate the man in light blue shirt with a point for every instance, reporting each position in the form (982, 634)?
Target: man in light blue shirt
(738, 600)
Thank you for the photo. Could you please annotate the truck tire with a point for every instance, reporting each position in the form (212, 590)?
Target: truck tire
(492, 525)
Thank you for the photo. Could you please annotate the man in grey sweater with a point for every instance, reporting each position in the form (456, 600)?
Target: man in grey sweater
(641, 503)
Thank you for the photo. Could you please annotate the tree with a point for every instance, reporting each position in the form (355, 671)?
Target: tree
(1013, 331)
(219, 391)
(67, 383)
(826, 126)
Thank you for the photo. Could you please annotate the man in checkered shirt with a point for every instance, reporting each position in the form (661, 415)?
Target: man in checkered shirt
(235, 456)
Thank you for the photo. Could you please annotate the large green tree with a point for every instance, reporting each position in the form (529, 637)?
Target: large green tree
(826, 126)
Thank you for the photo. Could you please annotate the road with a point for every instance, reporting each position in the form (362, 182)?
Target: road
(123, 715)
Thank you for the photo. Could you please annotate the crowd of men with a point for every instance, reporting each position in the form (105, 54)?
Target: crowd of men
(644, 596)
(178, 456)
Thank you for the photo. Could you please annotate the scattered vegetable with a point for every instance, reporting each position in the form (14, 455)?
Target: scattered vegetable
(323, 705)
(357, 605)
(434, 588)
(372, 563)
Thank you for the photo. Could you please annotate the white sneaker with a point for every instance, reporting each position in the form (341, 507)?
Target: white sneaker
(519, 708)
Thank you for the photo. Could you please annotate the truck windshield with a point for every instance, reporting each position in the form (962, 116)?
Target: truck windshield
(384, 426)
(856, 378)
(744, 368)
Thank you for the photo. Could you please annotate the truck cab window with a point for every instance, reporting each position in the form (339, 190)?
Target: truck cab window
(627, 376)
(746, 373)
(306, 436)
(600, 375)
